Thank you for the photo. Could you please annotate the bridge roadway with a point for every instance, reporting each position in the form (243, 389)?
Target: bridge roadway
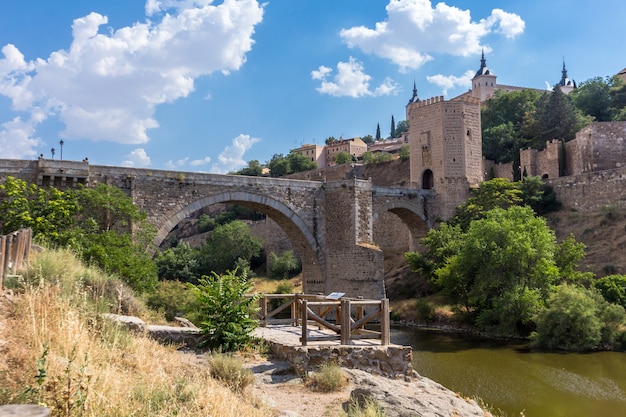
(329, 224)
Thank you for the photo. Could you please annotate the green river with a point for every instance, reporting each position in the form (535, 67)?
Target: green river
(512, 379)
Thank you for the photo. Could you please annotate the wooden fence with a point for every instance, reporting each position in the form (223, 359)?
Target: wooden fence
(14, 250)
(345, 318)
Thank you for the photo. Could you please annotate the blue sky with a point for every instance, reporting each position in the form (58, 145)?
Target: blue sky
(200, 85)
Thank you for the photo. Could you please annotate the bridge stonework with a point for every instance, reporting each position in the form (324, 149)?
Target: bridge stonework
(330, 224)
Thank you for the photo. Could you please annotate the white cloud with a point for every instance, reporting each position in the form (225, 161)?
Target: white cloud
(231, 158)
(106, 86)
(198, 162)
(448, 82)
(350, 81)
(414, 29)
(137, 159)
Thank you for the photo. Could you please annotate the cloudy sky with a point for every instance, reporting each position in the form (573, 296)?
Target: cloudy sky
(200, 85)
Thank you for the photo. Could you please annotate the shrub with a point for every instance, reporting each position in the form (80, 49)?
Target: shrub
(613, 288)
(224, 312)
(362, 405)
(172, 299)
(577, 319)
(205, 223)
(328, 378)
(424, 310)
(284, 266)
(230, 371)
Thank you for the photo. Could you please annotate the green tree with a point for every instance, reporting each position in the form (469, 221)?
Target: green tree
(557, 118)
(254, 169)
(368, 139)
(330, 140)
(226, 245)
(300, 163)
(405, 151)
(509, 254)
(576, 318)
(373, 158)
(284, 266)
(612, 288)
(343, 157)
(377, 131)
(205, 223)
(440, 244)
(592, 98)
(392, 132)
(501, 143)
(497, 192)
(225, 313)
(401, 127)
(179, 263)
(279, 165)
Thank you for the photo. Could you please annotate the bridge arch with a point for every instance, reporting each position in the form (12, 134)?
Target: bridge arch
(415, 220)
(304, 242)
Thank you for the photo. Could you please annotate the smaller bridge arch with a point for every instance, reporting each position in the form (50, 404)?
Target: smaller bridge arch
(413, 216)
(302, 239)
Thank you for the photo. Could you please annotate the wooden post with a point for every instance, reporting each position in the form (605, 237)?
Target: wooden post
(384, 322)
(3, 255)
(8, 261)
(263, 301)
(20, 247)
(345, 322)
(294, 310)
(304, 322)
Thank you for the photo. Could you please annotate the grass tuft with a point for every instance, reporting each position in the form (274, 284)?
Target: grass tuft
(329, 378)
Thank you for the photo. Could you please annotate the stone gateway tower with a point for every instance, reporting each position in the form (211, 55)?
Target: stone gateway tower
(446, 151)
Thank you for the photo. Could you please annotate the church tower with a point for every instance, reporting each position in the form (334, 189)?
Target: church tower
(566, 84)
(484, 82)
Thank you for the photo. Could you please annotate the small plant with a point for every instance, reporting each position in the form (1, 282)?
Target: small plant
(364, 406)
(424, 310)
(328, 378)
(225, 313)
(230, 371)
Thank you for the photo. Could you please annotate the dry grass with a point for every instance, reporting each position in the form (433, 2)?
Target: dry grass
(329, 378)
(55, 351)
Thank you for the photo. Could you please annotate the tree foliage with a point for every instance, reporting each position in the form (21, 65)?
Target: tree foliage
(577, 319)
(612, 288)
(179, 263)
(228, 244)
(373, 158)
(254, 169)
(285, 266)
(343, 157)
(225, 313)
(506, 254)
(100, 224)
(281, 165)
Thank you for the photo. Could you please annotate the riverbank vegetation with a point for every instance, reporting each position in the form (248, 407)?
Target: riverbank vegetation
(500, 267)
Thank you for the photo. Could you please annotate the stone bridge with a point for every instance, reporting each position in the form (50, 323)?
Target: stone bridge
(330, 224)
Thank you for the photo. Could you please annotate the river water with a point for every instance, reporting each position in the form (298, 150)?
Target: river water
(511, 378)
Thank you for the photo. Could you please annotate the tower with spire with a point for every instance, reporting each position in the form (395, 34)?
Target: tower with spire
(566, 85)
(484, 82)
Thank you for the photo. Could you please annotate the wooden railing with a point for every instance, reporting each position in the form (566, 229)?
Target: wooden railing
(345, 318)
(14, 250)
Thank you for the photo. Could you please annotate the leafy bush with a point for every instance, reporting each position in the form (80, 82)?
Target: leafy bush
(172, 299)
(577, 319)
(227, 244)
(224, 312)
(284, 266)
(613, 289)
(424, 310)
(230, 371)
(178, 263)
(328, 378)
(205, 223)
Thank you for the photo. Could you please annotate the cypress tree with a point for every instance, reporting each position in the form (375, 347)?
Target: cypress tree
(393, 127)
(377, 131)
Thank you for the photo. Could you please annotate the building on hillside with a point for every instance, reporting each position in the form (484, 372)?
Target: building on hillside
(622, 74)
(314, 153)
(354, 146)
(389, 146)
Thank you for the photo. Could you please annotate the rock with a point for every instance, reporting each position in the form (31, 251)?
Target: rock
(134, 324)
(23, 410)
(186, 336)
(184, 322)
(412, 397)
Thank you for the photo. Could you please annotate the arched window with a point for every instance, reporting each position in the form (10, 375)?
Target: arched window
(428, 181)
